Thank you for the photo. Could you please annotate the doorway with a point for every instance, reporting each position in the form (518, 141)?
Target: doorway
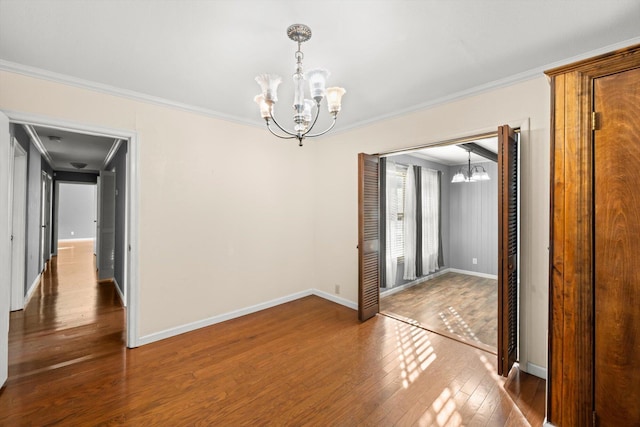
(452, 289)
(128, 201)
(407, 237)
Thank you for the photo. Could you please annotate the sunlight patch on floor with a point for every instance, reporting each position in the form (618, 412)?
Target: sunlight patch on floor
(416, 352)
(442, 412)
(456, 325)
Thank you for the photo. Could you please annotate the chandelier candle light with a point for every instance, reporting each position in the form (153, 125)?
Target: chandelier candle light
(473, 173)
(303, 115)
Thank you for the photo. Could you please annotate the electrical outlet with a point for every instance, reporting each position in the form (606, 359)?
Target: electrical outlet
(73, 232)
(337, 289)
(474, 260)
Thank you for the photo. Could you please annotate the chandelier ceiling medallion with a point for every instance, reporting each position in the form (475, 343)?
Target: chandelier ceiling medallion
(304, 117)
(472, 174)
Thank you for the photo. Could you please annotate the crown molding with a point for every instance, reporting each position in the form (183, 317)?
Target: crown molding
(40, 73)
(476, 90)
(490, 86)
(39, 145)
(112, 152)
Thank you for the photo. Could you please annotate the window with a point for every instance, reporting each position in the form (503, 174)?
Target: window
(397, 248)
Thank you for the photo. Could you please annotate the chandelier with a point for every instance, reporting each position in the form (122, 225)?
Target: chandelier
(304, 117)
(472, 174)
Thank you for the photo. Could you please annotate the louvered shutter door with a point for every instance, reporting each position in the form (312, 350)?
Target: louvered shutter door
(368, 237)
(508, 250)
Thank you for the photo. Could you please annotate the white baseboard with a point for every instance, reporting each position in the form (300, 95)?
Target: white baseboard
(474, 273)
(32, 289)
(115, 283)
(338, 300)
(75, 239)
(536, 370)
(171, 332)
(416, 282)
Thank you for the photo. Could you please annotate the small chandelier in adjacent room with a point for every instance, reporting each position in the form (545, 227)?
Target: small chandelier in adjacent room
(472, 174)
(304, 117)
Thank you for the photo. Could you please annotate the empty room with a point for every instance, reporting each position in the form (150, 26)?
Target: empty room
(413, 235)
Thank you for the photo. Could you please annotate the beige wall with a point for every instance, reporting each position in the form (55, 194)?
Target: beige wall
(231, 217)
(226, 218)
(335, 257)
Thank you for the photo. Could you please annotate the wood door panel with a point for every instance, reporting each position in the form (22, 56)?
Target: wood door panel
(573, 256)
(368, 237)
(617, 268)
(507, 250)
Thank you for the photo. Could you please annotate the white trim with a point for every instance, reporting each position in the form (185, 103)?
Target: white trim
(171, 332)
(112, 152)
(122, 299)
(477, 90)
(84, 239)
(338, 300)
(538, 371)
(490, 86)
(132, 280)
(474, 273)
(40, 73)
(54, 220)
(132, 242)
(38, 143)
(18, 213)
(32, 289)
(22, 118)
(416, 282)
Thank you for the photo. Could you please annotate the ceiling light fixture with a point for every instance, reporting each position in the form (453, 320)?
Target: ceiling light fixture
(473, 173)
(303, 116)
(78, 165)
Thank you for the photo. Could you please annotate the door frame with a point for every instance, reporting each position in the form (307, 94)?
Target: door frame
(524, 298)
(570, 383)
(131, 226)
(45, 219)
(17, 222)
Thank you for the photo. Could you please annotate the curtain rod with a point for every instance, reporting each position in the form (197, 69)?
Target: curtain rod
(407, 166)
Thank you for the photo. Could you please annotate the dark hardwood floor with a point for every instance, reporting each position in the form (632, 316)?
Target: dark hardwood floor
(308, 362)
(456, 305)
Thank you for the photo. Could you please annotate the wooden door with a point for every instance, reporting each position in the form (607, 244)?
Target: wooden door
(507, 249)
(368, 237)
(617, 245)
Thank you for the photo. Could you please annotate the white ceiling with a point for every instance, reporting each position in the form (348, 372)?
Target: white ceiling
(452, 154)
(392, 56)
(74, 147)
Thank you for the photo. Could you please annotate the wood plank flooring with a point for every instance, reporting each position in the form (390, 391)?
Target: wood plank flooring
(308, 362)
(456, 305)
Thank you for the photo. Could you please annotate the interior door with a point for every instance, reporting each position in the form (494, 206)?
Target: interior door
(617, 269)
(368, 237)
(507, 249)
(5, 247)
(106, 225)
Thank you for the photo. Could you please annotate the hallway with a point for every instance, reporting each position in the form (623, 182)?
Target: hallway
(70, 317)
